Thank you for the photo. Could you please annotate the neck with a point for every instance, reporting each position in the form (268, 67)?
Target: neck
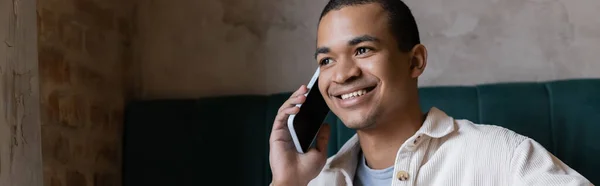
(381, 143)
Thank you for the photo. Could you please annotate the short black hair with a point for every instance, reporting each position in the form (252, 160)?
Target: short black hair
(402, 23)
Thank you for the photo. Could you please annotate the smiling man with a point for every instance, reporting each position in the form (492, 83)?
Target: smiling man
(370, 57)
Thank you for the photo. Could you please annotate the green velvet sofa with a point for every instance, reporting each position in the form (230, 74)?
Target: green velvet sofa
(224, 140)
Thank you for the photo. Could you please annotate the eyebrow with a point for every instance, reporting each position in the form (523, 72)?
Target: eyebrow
(352, 42)
(363, 38)
(322, 50)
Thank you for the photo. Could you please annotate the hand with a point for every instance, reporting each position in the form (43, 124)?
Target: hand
(288, 166)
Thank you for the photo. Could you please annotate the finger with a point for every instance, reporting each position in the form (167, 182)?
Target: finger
(280, 130)
(292, 102)
(296, 100)
(301, 90)
(284, 115)
(323, 139)
(282, 135)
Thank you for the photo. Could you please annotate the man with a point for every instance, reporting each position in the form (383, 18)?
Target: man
(370, 57)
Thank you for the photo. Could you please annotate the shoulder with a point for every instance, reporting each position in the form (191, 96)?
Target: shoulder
(489, 135)
(487, 129)
(526, 161)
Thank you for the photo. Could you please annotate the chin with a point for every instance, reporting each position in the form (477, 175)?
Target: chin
(359, 121)
(358, 125)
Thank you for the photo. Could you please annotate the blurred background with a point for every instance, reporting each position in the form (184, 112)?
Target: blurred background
(70, 67)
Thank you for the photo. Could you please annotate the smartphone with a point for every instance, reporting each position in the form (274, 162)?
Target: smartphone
(305, 125)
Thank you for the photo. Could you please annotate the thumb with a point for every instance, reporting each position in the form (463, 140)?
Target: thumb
(323, 138)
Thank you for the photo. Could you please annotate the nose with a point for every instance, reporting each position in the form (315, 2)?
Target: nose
(346, 71)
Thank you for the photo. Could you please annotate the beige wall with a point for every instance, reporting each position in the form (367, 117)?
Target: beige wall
(192, 48)
(20, 148)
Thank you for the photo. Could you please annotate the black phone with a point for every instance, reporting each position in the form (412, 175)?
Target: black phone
(305, 125)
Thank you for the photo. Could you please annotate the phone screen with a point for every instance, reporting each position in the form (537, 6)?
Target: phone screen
(309, 119)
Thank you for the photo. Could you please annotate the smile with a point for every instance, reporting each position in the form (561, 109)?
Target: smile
(354, 98)
(356, 93)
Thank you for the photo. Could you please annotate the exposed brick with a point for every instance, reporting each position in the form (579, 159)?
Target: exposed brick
(116, 119)
(84, 47)
(125, 27)
(60, 149)
(47, 26)
(107, 117)
(106, 179)
(47, 148)
(108, 154)
(52, 65)
(96, 43)
(70, 32)
(51, 109)
(129, 76)
(52, 176)
(89, 79)
(99, 17)
(75, 178)
(72, 111)
(54, 181)
(78, 150)
(99, 116)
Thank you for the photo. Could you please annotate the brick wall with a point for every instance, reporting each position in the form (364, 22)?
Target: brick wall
(84, 53)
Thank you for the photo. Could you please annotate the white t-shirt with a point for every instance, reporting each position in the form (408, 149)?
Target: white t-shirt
(366, 176)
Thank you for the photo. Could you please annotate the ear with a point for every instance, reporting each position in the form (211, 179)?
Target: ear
(418, 62)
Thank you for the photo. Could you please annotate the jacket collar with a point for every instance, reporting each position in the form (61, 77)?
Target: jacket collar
(437, 125)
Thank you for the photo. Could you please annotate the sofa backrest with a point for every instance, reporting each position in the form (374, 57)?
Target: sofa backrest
(225, 139)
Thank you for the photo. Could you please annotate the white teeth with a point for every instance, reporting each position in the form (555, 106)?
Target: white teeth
(354, 94)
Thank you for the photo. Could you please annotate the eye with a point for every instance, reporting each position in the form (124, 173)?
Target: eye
(325, 61)
(362, 50)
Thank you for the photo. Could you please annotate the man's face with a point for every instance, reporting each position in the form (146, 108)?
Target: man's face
(364, 77)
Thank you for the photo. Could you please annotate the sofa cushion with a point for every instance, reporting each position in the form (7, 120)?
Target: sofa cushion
(460, 102)
(156, 136)
(521, 107)
(231, 136)
(575, 111)
(190, 142)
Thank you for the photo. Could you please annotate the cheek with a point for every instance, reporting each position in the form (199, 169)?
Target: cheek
(392, 72)
(396, 68)
(381, 66)
(323, 86)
